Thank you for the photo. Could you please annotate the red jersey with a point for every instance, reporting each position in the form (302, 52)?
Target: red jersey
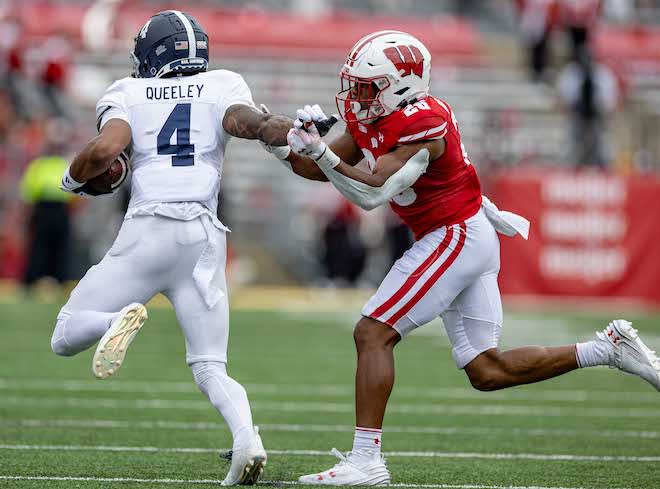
(449, 192)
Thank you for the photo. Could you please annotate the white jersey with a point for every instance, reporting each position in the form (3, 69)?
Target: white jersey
(178, 139)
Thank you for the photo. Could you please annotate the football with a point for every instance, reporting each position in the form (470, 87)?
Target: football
(111, 179)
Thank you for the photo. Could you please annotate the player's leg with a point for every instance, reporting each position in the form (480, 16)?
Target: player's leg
(127, 274)
(617, 346)
(473, 323)
(494, 369)
(416, 290)
(374, 377)
(206, 332)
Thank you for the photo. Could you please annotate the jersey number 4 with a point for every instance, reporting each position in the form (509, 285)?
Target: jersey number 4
(182, 152)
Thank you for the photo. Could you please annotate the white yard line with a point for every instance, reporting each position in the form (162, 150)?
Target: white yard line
(316, 453)
(269, 482)
(327, 428)
(332, 390)
(481, 409)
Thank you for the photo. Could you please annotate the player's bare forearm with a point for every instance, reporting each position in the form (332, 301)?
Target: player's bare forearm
(306, 167)
(246, 122)
(99, 153)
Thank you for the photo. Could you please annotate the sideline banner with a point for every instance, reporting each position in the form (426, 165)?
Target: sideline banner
(592, 235)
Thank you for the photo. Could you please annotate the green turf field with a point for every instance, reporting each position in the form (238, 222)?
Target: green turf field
(152, 428)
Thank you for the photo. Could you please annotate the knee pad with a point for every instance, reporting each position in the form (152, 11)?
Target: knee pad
(223, 390)
(57, 342)
(204, 371)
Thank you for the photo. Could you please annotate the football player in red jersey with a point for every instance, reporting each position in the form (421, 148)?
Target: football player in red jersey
(412, 144)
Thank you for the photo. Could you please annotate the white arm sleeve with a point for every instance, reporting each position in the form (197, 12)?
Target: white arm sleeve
(368, 197)
(111, 106)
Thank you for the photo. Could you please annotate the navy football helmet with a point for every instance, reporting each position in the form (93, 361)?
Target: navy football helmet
(171, 43)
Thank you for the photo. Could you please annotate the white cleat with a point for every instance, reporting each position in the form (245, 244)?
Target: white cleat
(111, 350)
(352, 470)
(631, 355)
(247, 464)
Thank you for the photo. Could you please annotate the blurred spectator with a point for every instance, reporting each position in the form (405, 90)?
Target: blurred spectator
(579, 17)
(589, 91)
(537, 19)
(49, 227)
(54, 75)
(12, 52)
(398, 236)
(345, 253)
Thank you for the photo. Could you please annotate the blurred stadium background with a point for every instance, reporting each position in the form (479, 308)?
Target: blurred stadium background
(558, 102)
(559, 107)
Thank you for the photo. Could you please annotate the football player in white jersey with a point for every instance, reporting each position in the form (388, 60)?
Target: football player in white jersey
(176, 117)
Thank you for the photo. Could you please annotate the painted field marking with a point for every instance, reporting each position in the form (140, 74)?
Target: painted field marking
(327, 428)
(269, 482)
(331, 390)
(316, 453)
(481, 409)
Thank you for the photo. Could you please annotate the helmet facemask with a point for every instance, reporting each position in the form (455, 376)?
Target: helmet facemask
(384, 71)
(359, 99)
(136, 65)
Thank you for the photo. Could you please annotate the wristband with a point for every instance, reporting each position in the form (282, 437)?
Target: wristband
(328, 159)
(280, 152)
(69, 183)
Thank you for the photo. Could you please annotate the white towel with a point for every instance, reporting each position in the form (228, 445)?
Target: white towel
(505, 222)
(207, 265)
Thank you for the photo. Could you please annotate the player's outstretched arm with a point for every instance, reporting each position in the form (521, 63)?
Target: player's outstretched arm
(343, 146)
(394, 172)
(99, 153)
(246, 122)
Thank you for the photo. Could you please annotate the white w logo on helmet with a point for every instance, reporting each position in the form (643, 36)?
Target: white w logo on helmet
(383, 72)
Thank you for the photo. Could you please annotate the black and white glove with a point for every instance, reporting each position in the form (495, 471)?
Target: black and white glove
(304, 138)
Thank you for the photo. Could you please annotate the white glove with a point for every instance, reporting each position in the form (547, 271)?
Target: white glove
(304, 138)
(309, 113)
(70, 185)
(280, 152)
(306, 142)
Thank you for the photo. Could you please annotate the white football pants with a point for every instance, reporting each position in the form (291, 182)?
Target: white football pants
(157, 254)
(151, 254)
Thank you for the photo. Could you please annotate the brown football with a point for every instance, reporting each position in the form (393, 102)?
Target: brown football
(108, 181)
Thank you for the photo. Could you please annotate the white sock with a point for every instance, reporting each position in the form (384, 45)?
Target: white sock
(78, 330)
(228, 397)
(367, 441)
(593, 353)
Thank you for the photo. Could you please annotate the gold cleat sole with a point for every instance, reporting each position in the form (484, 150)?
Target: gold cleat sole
(252, 471)
(111, 350)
